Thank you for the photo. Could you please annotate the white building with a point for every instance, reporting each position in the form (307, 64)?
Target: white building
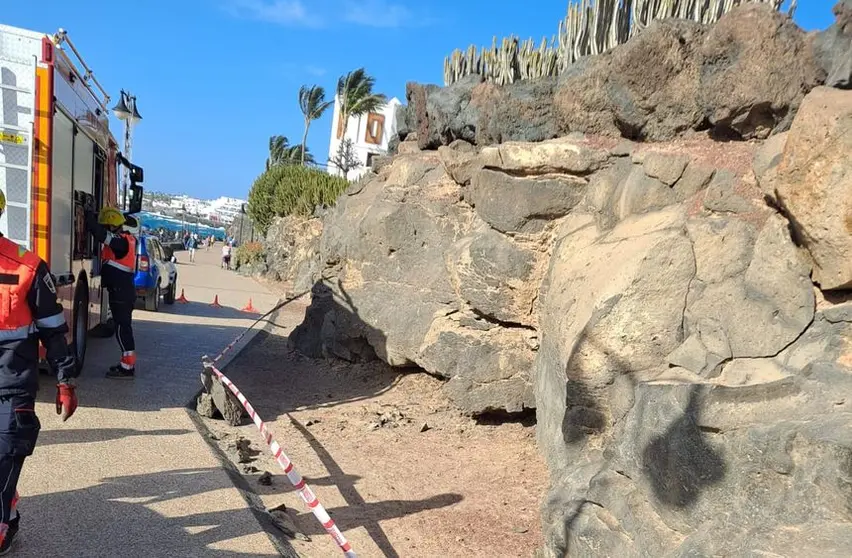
(223, 210)
(370, 134)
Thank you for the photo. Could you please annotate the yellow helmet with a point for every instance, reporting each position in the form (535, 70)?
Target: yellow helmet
(2, 201)
(111, 217)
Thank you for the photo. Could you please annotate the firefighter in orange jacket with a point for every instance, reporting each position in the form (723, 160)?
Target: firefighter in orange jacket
(118, 274)
(29, 313)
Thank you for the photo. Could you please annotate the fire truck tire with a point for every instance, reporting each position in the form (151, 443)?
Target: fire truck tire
(80, 324)
(152, 299)
(170, 294)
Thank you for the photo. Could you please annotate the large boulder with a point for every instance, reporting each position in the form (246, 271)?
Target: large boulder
(666, 420)
(834, 47)
(412, 272)
(743, 77)
(291, 250)
(812, 183)
(522, 112)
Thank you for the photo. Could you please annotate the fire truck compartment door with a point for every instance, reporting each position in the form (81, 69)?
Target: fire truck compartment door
(61, 202)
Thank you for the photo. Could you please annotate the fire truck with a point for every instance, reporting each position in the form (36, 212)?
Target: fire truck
(58, 159)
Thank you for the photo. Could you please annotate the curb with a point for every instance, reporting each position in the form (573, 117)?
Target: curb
(255, 505)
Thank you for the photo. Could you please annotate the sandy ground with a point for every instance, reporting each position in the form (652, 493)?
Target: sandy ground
(400, 470)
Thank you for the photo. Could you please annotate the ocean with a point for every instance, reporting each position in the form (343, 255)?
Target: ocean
(156, 221)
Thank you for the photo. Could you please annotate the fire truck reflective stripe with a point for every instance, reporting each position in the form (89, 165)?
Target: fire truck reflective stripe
(43, 155)
(9, 278)
(57, 320)
(17, 333)
(120, 266)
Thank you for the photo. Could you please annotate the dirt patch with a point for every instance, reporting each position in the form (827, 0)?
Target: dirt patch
(399, 469)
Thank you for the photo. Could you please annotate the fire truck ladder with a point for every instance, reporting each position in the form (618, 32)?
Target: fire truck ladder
(61, 37)
(17, 141)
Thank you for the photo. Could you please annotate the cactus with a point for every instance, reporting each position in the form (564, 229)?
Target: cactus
(589, 27)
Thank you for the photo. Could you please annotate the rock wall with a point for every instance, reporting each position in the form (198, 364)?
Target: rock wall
(678, 313)
(743, 78)
(658, 304)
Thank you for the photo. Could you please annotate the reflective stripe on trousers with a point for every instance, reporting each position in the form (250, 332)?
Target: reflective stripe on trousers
(51, 322)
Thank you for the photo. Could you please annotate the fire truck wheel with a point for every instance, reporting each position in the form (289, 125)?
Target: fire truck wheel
(80, 331)
(152, 299)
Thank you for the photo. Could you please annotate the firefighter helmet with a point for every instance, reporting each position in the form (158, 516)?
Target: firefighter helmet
(111, 217)
(2, 202)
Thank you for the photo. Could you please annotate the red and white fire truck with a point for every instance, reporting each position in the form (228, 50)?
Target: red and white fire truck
(57, 158)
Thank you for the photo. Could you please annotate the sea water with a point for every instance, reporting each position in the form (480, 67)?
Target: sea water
(155, 221)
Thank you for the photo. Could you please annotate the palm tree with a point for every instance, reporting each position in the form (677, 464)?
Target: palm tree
(294, 155)
(278, 146)
(313, 104)
(355, 91)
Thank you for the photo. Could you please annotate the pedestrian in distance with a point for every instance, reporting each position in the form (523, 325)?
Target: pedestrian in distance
(226, 256)
(31, 314)
(117, 274)
(193, 246)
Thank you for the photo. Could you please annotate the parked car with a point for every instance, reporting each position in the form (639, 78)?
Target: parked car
(156, 274)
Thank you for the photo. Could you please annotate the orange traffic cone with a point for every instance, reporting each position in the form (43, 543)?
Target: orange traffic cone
(182, 299)
(250, 308)
(216, 302)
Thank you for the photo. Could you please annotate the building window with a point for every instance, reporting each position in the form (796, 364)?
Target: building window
(375, 128)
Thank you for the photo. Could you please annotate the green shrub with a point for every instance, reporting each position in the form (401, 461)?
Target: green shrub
(248, 254)
(291, 190)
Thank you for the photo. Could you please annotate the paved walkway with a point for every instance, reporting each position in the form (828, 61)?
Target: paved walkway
(129, 475)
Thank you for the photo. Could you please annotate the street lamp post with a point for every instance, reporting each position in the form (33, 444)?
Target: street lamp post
(242, 219)
(125, 110)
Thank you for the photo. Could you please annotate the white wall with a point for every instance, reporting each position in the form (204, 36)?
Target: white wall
(356, 131)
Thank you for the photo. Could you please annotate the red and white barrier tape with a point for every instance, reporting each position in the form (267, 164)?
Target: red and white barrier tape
(281, 458)
(293, 475)
(233, 343)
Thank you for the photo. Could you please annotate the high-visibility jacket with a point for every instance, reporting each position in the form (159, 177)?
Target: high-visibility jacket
(128, 261)
(17, 270)
(29, 311)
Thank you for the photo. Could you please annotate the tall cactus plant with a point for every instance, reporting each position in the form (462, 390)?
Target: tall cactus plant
(590, 27)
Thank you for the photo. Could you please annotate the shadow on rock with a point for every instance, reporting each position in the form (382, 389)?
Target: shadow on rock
(680, 463)
(334, 328)
(330, 329)
(584, 415)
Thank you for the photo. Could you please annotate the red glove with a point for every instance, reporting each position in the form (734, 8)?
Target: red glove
(66, 401)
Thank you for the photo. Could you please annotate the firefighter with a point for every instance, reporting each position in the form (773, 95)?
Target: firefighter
(117, 274)
(30, 313)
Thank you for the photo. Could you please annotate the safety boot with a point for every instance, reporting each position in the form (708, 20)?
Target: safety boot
(11, 533)
(119, 372)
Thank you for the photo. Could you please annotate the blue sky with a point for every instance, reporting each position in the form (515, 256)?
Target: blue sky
(215, 78)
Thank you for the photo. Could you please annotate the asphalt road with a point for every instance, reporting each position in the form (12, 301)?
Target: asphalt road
(129, 475)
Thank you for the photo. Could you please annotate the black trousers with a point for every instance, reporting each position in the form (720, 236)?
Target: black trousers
(19, 428)
(122, 315)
